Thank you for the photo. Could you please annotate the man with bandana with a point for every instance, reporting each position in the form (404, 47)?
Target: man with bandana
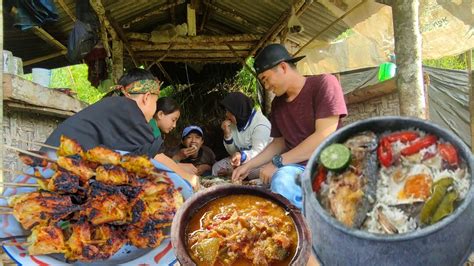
(118, 122)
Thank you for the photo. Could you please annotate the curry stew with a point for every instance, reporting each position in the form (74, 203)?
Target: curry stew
(241, 230)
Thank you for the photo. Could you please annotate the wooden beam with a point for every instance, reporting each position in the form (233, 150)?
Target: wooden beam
(470, 69)
(1, 98)
(104, 21)
(122, 37)
(117, 64)
(232, 15)
(278, 26)
(191, 18)
(217, 60)
(66, 9)
(370, 92)
(44, 58)
(192, 54)
(165, 73)
(205, 17)
(172, 11)
(385, 2)
(157, 11)
(242, 60)
(199, 39)
(40, 32)
(330, 25)
(145, 46)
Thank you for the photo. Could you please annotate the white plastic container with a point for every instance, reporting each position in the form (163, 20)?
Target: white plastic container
(42, 76)
(7, 61)
(17, 66)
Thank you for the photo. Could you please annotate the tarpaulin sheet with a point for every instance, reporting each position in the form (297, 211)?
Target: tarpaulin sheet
(447, 28)
(448, 96)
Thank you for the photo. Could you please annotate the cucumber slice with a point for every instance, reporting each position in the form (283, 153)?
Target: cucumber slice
(335, 157)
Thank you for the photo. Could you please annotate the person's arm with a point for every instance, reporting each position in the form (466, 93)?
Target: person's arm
(260, 139)
(277, 146)
(193, 179)
(202, 168)
(302, 152)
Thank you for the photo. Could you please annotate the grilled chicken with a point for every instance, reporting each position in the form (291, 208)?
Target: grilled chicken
(103, 156)
(46, 240)
(69, 147)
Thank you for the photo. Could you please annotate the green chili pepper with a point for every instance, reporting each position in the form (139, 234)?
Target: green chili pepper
(446, 207)
(432, 204)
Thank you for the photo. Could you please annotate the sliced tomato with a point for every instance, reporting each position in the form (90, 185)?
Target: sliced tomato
(385, 152)
(417, 145)
(448, 153)
(319, 179)
(403, 136)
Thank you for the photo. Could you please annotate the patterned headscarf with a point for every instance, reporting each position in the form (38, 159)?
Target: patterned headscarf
(140, 86)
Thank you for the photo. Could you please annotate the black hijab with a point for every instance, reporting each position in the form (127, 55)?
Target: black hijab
(240, 106)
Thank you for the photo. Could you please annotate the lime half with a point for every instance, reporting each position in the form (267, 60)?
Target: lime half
(335, 157)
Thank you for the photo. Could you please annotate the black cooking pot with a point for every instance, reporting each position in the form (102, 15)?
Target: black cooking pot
(448, 242)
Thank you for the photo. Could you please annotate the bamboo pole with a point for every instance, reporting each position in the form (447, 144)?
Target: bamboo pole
(470, 70)
(191, 19)
(67, 10)
(44, 58)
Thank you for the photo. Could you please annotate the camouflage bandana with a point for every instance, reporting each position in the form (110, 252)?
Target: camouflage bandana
(140, 86)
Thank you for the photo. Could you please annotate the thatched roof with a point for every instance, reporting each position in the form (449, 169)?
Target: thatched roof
(226, 30)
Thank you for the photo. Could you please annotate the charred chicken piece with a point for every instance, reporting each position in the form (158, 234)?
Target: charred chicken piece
(112, 175)
(148, 236)
(140, 165)
(62, 182)
(76, 167)
(34, 161)
(90, 243)
(107, 204)
(69, 147)
(103, 156)
(43, 207)
(46, 239)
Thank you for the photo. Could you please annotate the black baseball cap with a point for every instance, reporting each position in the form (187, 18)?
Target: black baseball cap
(271, 56)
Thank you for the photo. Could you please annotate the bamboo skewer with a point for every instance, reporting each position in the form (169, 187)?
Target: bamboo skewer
(22, 173)
(37, 143)
(29, 153)
(14, 244)
(10, 184)
(54, 161)
(6, 212)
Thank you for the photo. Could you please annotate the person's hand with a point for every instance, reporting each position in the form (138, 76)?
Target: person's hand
(202, 168)
(240, 173)
(189, 167)
(266, 173)
(226, 129)
(186, 152)
(235, 159)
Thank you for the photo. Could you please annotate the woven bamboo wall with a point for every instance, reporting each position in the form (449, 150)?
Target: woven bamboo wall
(18, 125)
(381, 106)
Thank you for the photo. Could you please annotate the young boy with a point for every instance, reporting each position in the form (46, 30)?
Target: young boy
(192, 151)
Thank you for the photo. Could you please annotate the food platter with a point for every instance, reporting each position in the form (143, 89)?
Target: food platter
(128, 255)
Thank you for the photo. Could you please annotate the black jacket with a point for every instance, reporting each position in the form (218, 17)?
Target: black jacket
(114, 122)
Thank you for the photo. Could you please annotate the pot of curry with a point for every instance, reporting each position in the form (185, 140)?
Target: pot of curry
(240, 225)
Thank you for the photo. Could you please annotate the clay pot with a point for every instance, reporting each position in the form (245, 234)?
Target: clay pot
(200, 199)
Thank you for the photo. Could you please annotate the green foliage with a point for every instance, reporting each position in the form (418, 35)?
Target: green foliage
(247, 83)
(448, 62)
(75, 78)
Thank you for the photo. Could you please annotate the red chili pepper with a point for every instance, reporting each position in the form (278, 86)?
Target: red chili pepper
(384, 152)
(403, 136)
(319, 179)
(416, 146)
(448, 153)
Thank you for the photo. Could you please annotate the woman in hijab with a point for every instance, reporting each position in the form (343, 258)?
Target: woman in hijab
(246, 133)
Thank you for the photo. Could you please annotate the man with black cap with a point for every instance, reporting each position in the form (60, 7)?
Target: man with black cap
(304, 112)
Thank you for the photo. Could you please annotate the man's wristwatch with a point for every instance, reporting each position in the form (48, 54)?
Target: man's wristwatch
(277, 161)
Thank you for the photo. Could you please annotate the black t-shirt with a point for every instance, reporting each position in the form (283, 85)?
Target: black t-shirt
(114, 122)
(205, 156)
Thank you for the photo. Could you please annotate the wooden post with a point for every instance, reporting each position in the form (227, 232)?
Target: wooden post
(470, 70)
(117, 58)
(406, 26)
(191, 20)
(1, 94)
